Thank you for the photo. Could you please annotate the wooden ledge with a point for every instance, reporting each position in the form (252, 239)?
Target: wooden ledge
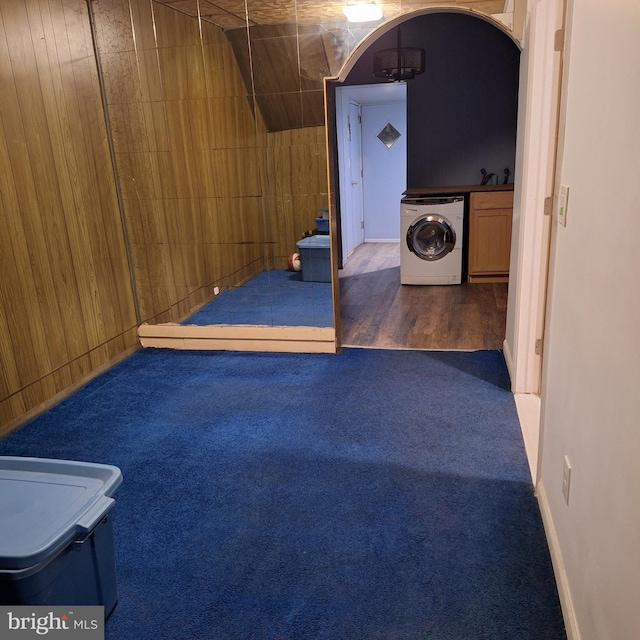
(239, 338)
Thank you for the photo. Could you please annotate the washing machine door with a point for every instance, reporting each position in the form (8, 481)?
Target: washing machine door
(431, 237)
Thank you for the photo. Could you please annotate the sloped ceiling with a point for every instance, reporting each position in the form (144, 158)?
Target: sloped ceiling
(294, 44)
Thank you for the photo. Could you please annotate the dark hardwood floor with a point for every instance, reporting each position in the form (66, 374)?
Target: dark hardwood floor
(377, 311)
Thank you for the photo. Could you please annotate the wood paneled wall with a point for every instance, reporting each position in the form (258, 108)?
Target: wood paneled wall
(297, 174)
(190, 155)
(66, 305)
(209, 197)
(286, 69)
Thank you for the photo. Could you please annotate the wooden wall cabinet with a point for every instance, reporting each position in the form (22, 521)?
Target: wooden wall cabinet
(490, 216)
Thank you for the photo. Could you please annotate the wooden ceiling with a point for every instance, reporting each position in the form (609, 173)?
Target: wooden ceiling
(294, 45)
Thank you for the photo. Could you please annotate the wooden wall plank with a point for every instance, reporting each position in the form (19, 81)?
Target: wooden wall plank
(69, 289)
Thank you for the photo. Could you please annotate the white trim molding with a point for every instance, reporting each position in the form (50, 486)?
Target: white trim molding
(566, 602)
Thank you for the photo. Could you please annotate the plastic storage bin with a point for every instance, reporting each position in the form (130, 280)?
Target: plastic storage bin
(322, 225)
(315, 258)
(56, 537)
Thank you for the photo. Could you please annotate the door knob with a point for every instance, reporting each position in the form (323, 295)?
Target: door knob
(353, 183)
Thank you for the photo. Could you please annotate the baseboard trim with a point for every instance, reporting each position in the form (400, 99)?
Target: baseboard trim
(239, 338)
(566, 602)
(490, 279)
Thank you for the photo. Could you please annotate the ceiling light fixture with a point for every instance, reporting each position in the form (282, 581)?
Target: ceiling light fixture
(362, 12)
(401, 63)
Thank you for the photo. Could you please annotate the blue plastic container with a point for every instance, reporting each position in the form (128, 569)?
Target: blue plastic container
(322, 225)
(56, 537)
(315, 256)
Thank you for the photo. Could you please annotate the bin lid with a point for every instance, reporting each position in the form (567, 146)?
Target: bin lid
(317, 241)
(47, 503)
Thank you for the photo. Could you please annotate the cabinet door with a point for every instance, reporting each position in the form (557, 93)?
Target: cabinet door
(489, 242)
(490, 215)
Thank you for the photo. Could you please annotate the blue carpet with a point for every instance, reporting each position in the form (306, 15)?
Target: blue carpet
(368, 495)
(278, 298)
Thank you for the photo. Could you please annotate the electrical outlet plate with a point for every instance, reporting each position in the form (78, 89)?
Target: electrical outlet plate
(566, 479)
(216, 291)
(563, 198)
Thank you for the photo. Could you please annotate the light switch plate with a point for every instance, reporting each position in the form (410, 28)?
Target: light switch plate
(563, 199)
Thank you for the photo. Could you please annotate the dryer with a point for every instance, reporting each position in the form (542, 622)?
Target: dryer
(431, 240)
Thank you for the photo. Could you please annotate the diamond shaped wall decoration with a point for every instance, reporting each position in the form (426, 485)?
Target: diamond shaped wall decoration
(388, 135)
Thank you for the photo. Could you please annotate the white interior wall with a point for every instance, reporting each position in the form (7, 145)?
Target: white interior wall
(590, 398)
(372, 94)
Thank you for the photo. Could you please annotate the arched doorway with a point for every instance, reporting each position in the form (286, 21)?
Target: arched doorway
(461, 113)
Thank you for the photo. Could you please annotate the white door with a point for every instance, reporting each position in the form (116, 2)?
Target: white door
(355, 226)
(384, 164)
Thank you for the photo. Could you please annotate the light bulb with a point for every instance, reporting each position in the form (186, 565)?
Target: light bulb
(362, 12)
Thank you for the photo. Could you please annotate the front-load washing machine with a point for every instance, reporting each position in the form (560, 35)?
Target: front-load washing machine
(431, 240)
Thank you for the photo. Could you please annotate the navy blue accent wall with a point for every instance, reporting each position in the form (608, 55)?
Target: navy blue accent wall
(461, 112)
